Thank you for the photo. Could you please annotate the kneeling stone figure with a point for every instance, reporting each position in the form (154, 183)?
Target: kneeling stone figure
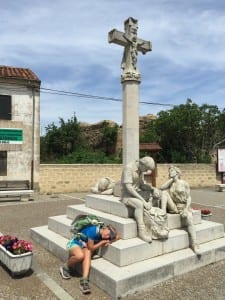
(138, 194)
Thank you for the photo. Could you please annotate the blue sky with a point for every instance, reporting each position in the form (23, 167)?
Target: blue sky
(65, 42)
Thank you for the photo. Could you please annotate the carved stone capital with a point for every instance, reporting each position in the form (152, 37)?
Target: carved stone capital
(130, 76)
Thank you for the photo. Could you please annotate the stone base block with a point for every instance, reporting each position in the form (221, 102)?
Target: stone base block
(119, 281)
(220, 187)
(130, 264)
(122, 281)
(113, 205)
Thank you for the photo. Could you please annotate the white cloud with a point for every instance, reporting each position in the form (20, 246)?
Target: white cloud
(65, 44)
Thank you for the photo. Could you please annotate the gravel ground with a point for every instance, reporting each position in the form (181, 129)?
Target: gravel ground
(18, 217)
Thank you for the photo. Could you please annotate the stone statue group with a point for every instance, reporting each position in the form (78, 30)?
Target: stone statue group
(151, 204)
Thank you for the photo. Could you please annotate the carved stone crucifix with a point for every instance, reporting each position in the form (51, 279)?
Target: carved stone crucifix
(132, 44)
(130, 79)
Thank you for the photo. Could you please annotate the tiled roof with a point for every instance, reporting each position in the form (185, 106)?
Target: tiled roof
(17, 73)
(150, 146)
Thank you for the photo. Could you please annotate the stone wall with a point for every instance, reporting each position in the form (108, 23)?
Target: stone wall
(55, 178)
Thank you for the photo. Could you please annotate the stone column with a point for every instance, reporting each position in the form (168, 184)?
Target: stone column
(130, 121)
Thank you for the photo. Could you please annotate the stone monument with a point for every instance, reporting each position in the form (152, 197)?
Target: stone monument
(131, 264)
(130, 79)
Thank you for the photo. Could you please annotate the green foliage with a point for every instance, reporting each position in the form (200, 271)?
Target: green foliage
(66, 144)
(108, 138)
(85, 156)
(150, 135)
(179, 131)
(61, 140)
(186, 133)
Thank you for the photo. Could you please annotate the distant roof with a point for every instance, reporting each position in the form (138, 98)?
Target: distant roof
(17, 73)
(150, 146)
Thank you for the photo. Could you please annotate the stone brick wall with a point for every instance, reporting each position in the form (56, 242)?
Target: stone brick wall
(66, 178)
(197, 175)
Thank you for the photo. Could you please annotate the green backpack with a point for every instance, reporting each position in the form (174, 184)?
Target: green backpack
(82, 221)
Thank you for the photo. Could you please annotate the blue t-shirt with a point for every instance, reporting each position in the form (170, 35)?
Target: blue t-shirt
(91, 232)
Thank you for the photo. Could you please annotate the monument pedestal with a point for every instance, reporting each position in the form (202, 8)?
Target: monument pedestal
(130, 264)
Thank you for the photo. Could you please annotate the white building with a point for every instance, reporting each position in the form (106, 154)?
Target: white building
(19, 126)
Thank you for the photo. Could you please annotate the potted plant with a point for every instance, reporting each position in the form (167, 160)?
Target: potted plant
(206, 213)
(15, 254)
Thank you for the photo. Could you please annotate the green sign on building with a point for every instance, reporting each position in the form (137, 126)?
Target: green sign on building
(11, 136)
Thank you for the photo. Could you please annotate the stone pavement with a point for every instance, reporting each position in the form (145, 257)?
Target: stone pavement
(45, 282)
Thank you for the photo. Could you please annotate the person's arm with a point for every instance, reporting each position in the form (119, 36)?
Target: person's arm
(167, 184)
(107, 192)
(133, 193)
(184, 213)
(92, 246)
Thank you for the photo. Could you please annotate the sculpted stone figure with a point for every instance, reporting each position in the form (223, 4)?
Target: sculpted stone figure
(179, 202)
(155, 219)
(138, 194)
(104, 186)
(129, 61)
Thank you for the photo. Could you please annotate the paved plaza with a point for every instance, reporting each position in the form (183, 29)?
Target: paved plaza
(45, 282)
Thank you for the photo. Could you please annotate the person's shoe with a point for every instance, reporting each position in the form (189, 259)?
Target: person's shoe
(65, 272)
(145, 236)
(84, 286)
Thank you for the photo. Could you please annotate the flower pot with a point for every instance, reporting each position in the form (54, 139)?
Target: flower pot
(206, 217)
(17, 264)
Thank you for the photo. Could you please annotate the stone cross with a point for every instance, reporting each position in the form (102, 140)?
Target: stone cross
(130, 80)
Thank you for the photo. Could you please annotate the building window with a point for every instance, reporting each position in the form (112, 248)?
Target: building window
(5, 107)
(3, 163)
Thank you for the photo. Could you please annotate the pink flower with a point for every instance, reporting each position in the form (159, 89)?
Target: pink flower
(14, 245)
(206, 211)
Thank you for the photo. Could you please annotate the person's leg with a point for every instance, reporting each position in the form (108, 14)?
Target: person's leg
(192, 232)
(167, 203)
(139, 217)
(75, 256)
(83, 256)
(86, 265)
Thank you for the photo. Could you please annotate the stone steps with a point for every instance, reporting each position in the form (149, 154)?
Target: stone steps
(108, 204)
(122, 280)
(139, 276)
(51, 241)
(130, 264)
(126, 226)
(124, 252)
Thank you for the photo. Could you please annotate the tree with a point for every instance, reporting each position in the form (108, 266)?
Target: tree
(61, 140)
(108, 138)
(187, 132)
(150, 135)
(66, 144)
